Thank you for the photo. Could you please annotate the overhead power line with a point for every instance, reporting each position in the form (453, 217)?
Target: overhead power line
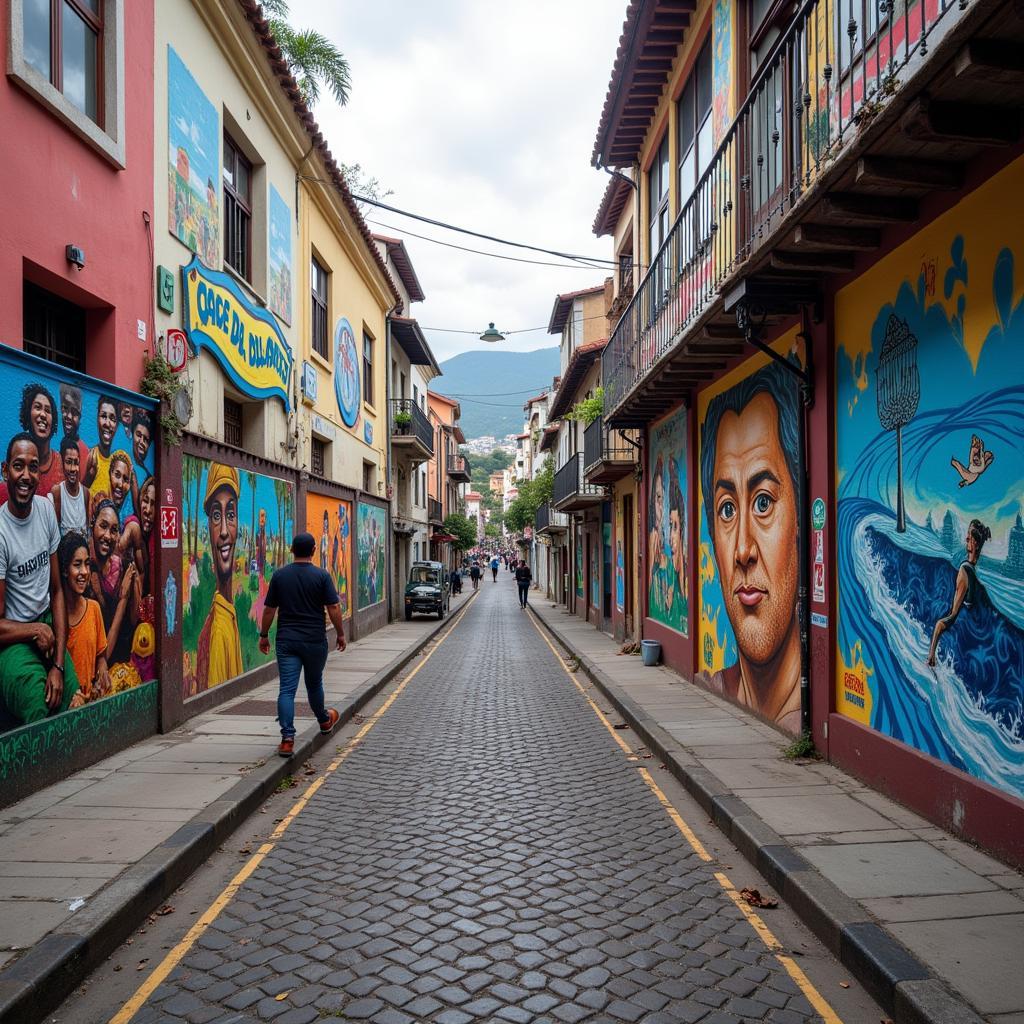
(521, 330)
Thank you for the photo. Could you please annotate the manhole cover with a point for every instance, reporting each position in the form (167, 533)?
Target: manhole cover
(264, 708)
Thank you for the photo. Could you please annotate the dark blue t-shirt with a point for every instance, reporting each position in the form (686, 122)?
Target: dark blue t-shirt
(300, 592)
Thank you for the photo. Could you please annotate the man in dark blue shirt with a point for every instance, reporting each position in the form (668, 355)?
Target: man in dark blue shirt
(302, 591)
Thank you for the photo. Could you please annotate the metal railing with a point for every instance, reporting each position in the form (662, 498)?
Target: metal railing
(827, 76)
(434, 511)
(548, 519)
(414, 422)
(458, 464)
(570, 483)
(602, 444)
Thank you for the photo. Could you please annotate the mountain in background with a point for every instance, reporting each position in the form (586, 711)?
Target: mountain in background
(492, 387)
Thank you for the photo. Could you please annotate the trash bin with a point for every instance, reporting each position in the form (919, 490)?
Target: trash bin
(650, 651)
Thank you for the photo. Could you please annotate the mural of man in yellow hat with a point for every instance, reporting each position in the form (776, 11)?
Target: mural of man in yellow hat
(219, 651)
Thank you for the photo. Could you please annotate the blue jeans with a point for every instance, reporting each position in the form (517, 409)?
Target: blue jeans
(293, 657)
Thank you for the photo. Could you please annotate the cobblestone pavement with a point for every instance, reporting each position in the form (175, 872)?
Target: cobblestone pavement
(486, 854)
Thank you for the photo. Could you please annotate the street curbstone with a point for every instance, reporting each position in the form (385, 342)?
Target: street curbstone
(929, 1002)
(821, 905)
(879, 961)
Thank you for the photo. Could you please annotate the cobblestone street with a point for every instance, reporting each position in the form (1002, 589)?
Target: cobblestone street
(487, 852)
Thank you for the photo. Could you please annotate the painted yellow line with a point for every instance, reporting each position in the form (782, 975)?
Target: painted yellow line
(177, 954)
(814, 997)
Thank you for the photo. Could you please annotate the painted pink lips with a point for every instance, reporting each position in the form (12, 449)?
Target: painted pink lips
(751, 597)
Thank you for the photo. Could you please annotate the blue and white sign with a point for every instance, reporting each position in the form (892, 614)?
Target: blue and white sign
(346, 373)
(310, 381)
(367, 431)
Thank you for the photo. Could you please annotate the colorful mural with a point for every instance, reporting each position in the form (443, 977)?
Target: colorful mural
(237, 527)
(595, 572)
(668, 588)
(330, 522)
(579, 563)
(749, 464)
(77, 510)
(370, 538)
(193, 177)
(721, 68)
(346, 373)
(620, 565)
(280, 253)
(930, 452)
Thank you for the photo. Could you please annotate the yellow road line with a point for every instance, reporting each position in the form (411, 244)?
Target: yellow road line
(814, 997)
(177, 954)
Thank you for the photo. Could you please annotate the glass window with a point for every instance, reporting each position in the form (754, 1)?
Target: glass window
(237, 210)
(79, 53)
(318, 278)
(657, 185)
(53, 328)
(693, 118)
(367, 368)
(318, 453)
(232, 422)
(36, 14)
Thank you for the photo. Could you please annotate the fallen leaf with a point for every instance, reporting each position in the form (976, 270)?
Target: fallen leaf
(844, 984)
(142, 964)
(165, 910)
(245, 850)
(117, 967)
(755, 899)
(621, 725)
(281, 997)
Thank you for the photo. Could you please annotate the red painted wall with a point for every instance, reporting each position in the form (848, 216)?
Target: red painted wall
(56, 190)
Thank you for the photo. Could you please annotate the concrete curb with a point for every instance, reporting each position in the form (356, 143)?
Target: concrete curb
(38, 981)
(894, 977)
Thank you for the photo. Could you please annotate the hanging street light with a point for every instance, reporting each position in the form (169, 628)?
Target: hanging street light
(492, 335)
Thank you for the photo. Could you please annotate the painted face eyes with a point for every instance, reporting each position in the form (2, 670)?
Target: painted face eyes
(727, 511)
(763, 504)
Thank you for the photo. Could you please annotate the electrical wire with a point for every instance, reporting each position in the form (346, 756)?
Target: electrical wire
(521, 330)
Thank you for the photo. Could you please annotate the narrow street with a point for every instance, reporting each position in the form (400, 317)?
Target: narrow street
(486, 846)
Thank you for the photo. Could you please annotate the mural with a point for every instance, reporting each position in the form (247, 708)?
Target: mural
(595, 572)
(930, 451)
(193, 178)
(77, 510)
(620, 565)
(668, 588)
(749, 462)
(370, 535)
(280, 253)
(330, 522)
(346, 373)
(237, 527)
(721, 68)
(579, 563)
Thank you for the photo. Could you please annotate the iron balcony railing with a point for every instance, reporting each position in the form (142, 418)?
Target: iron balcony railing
(458, 465)
(409, 420)
(827, 76)
(570, 486)
(434, 511)
(602, 444)
(548, 519)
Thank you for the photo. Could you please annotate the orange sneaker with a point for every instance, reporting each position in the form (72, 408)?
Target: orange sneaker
(287, 747)
(332, 720)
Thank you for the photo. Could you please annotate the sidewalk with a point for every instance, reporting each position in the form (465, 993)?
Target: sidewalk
(911, 911)
(83, 861)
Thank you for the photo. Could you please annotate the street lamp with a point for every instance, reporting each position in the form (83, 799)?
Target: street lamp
(491, 334)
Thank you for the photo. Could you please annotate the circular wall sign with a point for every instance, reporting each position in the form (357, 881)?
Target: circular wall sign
(346, 373)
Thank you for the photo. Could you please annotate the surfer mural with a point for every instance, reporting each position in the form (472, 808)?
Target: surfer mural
(930, 545)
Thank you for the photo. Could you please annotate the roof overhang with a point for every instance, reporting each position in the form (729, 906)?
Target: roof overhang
(612, 204)
(582, 360)
(409, 335)
(403, 264)
(548, 438)
(563, 307)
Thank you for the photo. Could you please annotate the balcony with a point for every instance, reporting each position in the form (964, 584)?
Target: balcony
(571, 491)
(458, 468)
(434, 516)
(606, 456)
(863, 109)
(411, 433)
(548, 521)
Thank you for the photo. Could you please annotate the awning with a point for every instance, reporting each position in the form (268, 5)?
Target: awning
(441, 538)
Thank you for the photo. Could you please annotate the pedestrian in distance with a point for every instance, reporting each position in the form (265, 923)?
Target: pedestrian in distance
(300, 593)
(523, 579)
(495, 565)
(474, 575)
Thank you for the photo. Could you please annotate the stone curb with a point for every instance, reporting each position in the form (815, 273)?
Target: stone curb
(891, 974)
(38, 981)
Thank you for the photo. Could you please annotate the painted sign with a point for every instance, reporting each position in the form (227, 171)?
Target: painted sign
(279, 226)
(620, 566)
(194, 162)
(330, 522)
(238, 526)
(325, 428)
(668, 570)
(367, 431)
(819, 621)
(930, 464)
(749, 569)
(169, 526)
(310, 381)
(818, 513)
(243, 337)
(346, 373)
(371, 530)
(175, 349)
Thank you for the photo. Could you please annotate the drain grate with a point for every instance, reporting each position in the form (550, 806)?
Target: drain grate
(264, 708)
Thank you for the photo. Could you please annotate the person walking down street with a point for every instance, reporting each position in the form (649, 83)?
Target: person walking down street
(300, 593)
(523, 579)
(495, 565)
(474, 575)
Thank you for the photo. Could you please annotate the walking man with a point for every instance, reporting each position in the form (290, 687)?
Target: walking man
(302, 592)
(523, 579)
(474, 575)
(495, 565)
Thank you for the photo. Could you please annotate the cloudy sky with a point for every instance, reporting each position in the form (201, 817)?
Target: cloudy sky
(481, 114)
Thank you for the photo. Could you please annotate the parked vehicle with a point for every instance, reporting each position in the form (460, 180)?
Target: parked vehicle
(427, 590)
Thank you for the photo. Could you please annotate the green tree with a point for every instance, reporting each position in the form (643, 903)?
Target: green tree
(314, 61)
(462, 529)
(532, 495)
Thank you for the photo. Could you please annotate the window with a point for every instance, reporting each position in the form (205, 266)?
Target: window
(367, 368)
(318, 278)
(232, 422)
(53, 328)
(368, 468)
(318, 456)
(657, 197)
(693, 117)
(63, 41)
(237, 210)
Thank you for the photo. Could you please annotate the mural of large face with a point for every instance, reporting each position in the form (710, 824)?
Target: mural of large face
(222, 522)
(21, 474)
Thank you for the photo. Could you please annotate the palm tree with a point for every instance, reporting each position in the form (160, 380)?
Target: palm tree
(313, 59)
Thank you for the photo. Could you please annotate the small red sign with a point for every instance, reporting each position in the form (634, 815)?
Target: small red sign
(169, 526)
(176, 349)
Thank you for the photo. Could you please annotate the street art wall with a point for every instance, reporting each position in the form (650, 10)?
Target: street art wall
(330, 522)
(749, 647)
(930, 469)
(280, 253)
(578, 546)
(667, 563)
(77, 510)
(193, 177)
(370, 540)
(237, 526)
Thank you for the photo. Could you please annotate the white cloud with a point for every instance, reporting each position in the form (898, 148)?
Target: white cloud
(482, 115)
